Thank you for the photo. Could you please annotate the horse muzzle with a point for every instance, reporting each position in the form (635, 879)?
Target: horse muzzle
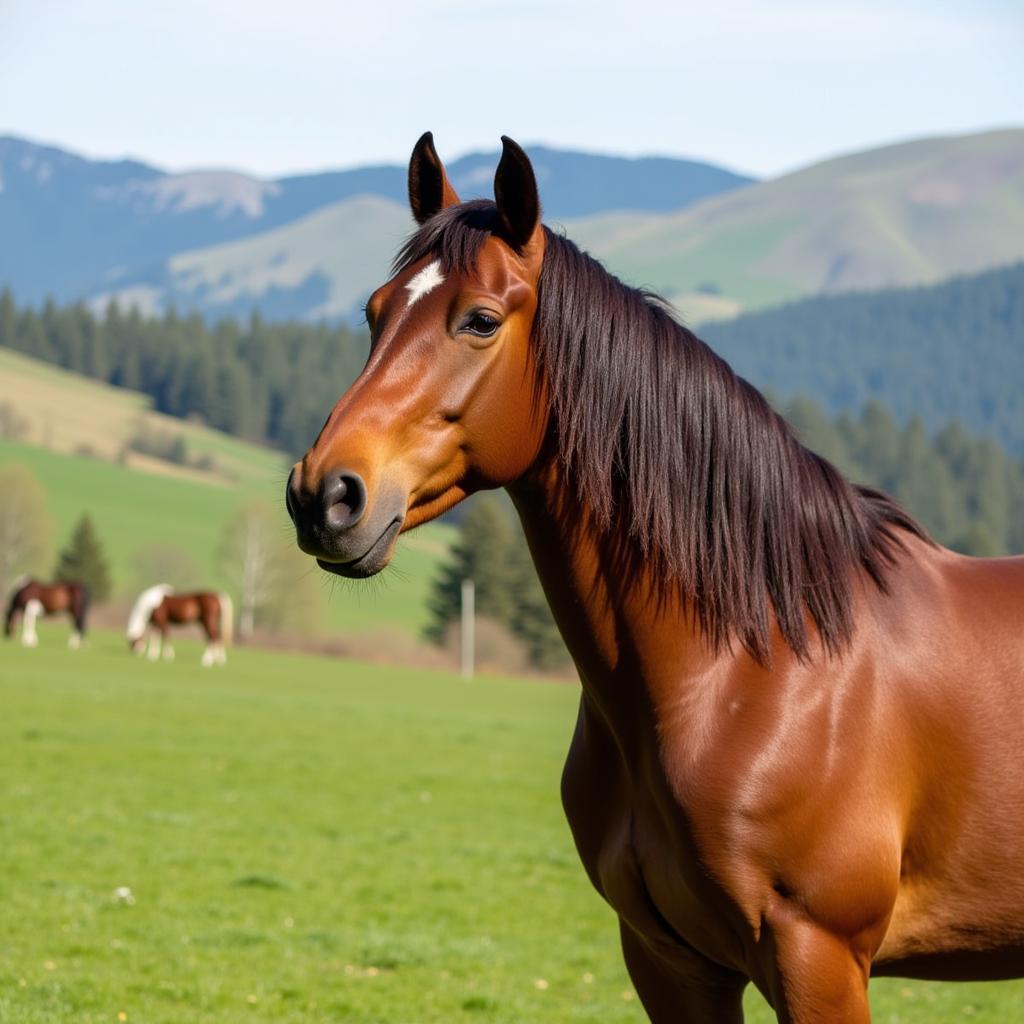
(337, 526)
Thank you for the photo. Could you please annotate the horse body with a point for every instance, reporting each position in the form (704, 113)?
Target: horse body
(720, 805)
(159, 607)
(796, 760)
(31, 599)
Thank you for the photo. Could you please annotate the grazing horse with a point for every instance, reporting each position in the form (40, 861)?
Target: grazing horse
(30, 599)
(797, 759)
(159, 607)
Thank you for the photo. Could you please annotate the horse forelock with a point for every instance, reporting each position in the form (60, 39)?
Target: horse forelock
(454, 237)
(683, 459)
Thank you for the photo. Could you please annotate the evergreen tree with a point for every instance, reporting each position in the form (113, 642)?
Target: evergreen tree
(481, 554)
(8, 319)
(923, 482)
(84, 559)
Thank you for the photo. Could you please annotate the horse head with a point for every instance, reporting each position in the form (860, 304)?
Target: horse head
(450, 400)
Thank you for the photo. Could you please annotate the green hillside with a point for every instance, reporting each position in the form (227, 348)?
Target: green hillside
(331, 258)
(137, 500)
(914, 213)
(72, 414)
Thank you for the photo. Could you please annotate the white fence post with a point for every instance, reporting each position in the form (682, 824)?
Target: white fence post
(468, 622)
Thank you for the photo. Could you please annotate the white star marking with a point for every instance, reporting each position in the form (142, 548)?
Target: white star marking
(425, 281)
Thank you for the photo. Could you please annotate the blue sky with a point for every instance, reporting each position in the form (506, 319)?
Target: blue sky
(275, 87)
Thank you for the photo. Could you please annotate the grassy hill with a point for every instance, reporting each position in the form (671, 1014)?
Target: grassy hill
(914, 213)
(141, 500)
(75, 227)
(308, 840)
(71, 414)
(323, 265)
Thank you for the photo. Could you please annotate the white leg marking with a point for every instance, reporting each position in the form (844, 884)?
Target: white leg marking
(155, 643)
(168, 652)
(425, 281)
(208, 657)
(29, 636)
(75, 640)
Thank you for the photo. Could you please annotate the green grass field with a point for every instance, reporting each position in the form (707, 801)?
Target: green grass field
(307, 840)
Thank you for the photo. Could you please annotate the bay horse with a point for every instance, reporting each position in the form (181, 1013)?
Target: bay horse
(798, 755)
(158, 608)
(31, 599)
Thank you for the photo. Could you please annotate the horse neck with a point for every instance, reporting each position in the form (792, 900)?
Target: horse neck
(622, 629)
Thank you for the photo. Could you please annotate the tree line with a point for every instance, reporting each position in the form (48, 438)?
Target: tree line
(276, 383)
(952, 350)
(271, 383)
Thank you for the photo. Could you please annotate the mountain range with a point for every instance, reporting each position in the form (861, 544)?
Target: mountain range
(72, 227)
(313, 246)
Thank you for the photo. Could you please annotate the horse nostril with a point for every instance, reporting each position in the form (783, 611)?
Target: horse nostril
(291, 500)
(344, 500)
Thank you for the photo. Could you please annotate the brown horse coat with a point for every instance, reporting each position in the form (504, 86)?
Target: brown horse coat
(159, 608)
(797, 759)
(32, 597)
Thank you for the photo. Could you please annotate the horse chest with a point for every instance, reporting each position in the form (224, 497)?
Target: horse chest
(649, 870)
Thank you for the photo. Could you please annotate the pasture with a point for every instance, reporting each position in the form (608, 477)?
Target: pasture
(307, 840)
(133, 509)
(144, 500)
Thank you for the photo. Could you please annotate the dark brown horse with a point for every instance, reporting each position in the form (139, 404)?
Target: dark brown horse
(798, 754)
(31, 598)
(158, 608)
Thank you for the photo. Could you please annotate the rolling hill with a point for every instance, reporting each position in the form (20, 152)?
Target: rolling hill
(915, 213)
(74, 228)
(909, 214)
(313, 246)
(73, 415)
(75, 431)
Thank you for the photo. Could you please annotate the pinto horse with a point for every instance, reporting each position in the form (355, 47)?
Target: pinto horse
(159, 607)
(31, 598)
(797, 760)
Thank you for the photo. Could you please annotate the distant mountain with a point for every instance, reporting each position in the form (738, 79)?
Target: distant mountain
(314, 246)
(955, 350)
(73, 227)
(914, 213)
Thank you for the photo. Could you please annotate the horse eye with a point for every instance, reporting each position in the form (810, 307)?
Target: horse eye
(481, 325)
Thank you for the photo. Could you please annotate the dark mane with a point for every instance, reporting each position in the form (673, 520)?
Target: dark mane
(666, 443)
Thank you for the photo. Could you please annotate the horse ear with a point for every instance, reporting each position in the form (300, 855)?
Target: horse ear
(515, 191)
(429, 188)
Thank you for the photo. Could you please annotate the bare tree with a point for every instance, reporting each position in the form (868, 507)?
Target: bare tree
(26, 530)
(247, 555)
(274, 583)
